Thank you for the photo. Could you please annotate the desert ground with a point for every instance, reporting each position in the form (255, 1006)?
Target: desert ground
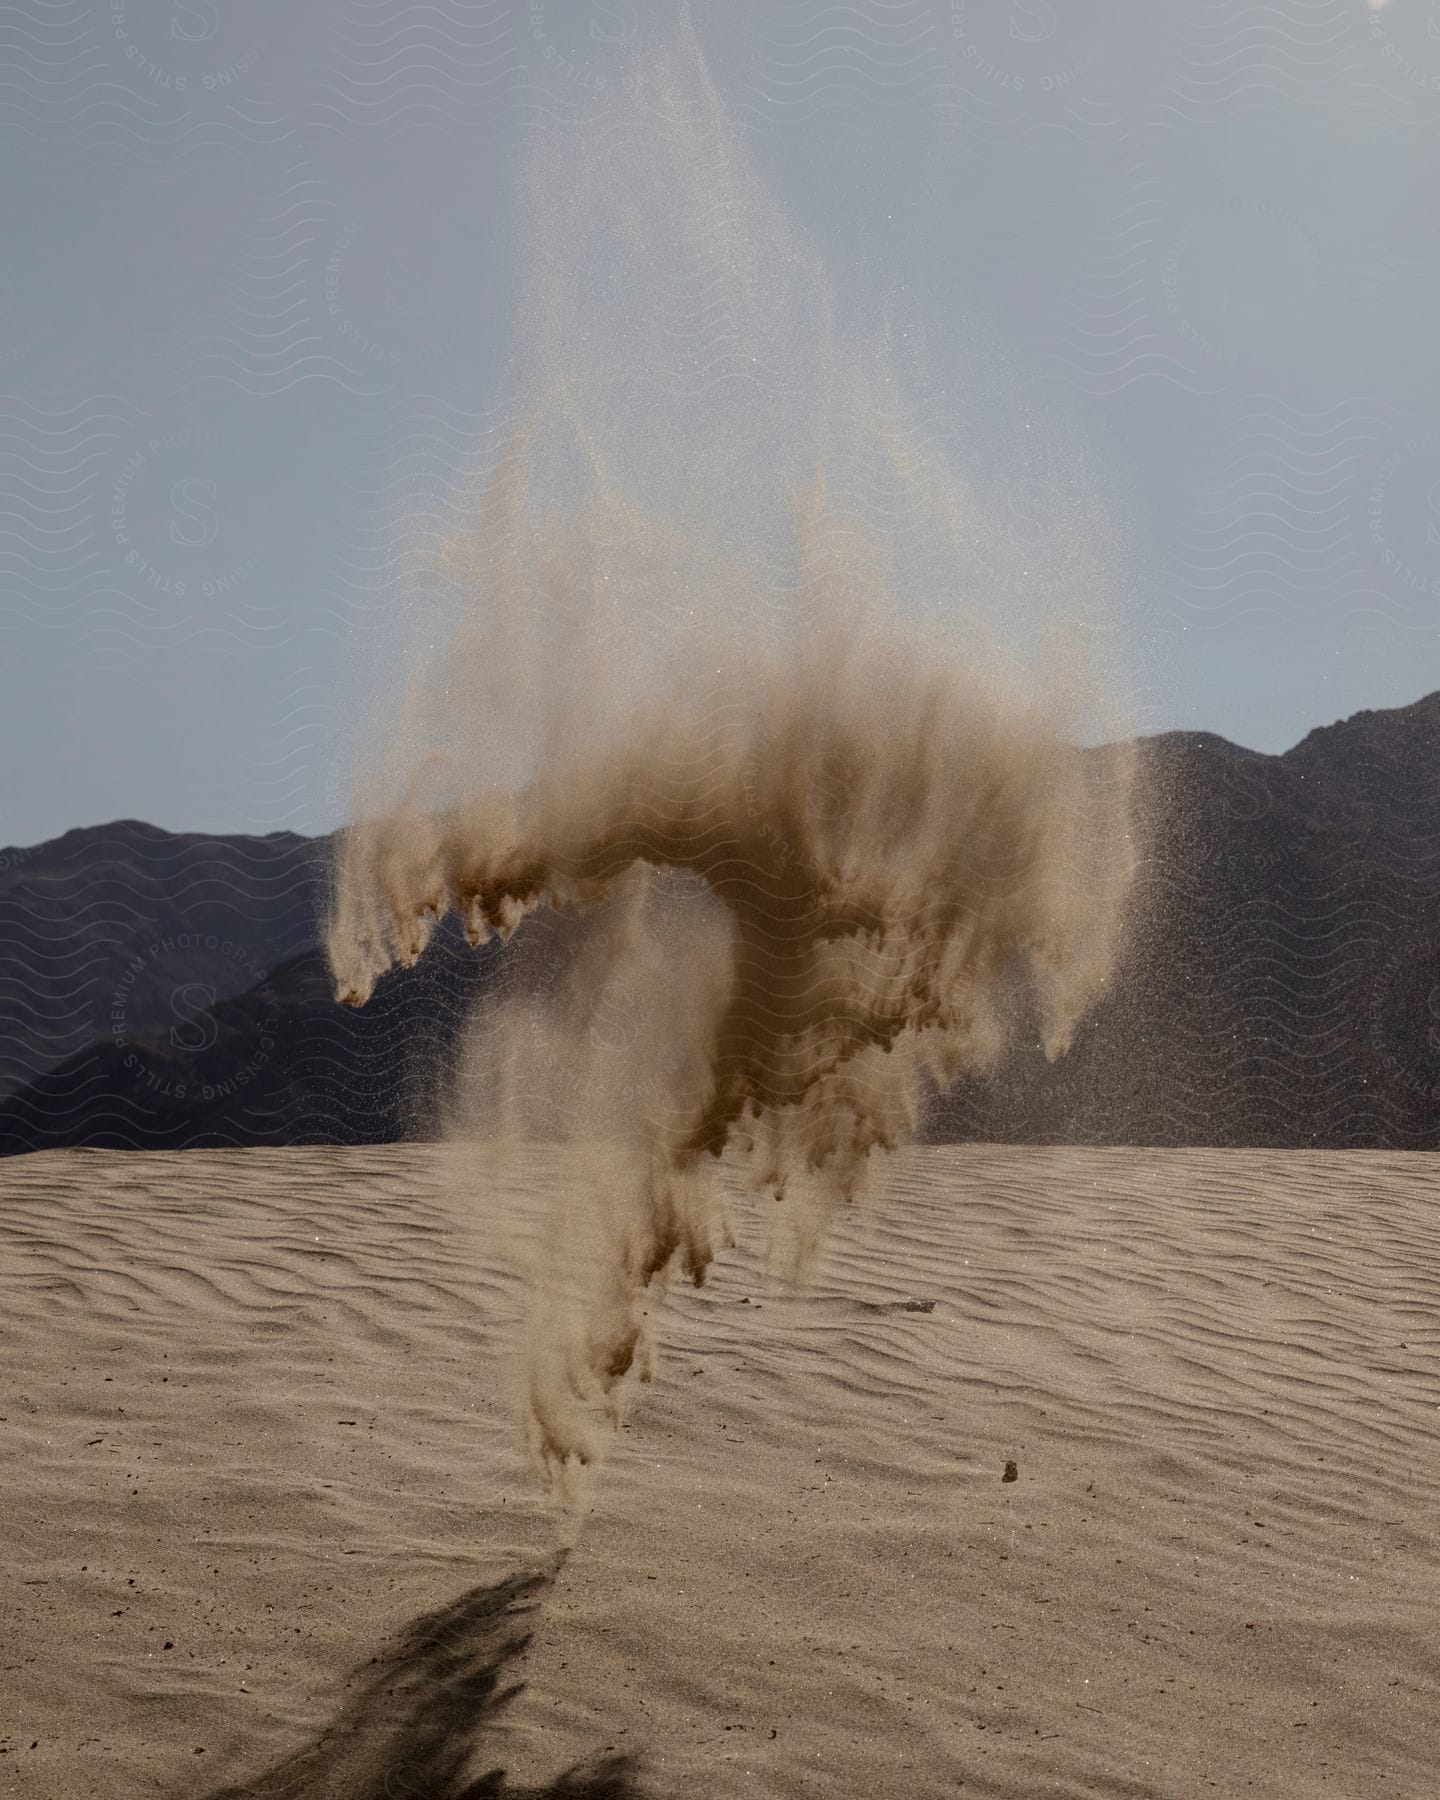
(269, 1528)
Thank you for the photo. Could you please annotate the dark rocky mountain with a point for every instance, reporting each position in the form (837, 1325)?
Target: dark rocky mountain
(280, 1064)
(1282, 986)
(117, 931)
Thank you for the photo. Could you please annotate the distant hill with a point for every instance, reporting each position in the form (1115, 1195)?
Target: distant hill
(1282, 986)
(114, 931)
(280, 1064)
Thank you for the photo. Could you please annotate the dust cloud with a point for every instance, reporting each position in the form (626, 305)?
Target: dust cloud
(753, 721)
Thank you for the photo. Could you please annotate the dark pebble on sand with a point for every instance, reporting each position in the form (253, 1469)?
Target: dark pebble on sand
(1012, 1472)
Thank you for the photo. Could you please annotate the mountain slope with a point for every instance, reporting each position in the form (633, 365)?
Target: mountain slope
(1282, 985)
(119, 931)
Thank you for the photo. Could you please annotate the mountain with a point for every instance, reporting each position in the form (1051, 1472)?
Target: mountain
(280, 1064)
(119, 931)
(1281, 986)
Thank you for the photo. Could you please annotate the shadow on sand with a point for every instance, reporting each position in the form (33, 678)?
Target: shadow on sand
(414, 1726)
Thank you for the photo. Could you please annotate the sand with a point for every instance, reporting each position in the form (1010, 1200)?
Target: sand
(258, 1418)
(807, 789)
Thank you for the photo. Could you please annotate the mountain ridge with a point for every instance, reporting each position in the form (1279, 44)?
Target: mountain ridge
(1281, 986)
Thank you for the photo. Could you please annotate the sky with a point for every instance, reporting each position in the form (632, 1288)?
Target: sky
(260, 287)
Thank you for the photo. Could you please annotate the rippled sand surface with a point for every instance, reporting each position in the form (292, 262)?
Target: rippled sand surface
(267, 1531)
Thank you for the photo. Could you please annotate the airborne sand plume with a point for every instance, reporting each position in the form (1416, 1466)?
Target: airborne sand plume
(742, 699)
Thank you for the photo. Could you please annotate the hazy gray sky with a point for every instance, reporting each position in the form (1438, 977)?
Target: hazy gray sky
(258, 288)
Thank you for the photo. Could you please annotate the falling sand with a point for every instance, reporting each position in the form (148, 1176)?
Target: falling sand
(740, 705)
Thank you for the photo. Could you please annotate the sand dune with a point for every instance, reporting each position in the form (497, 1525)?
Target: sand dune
(268, 1532)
